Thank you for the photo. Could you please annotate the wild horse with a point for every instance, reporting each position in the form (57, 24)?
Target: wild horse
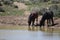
(47, 16)
(32, 18)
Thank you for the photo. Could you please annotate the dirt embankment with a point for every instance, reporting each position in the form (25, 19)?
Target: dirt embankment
(21, 20)
(13, 20)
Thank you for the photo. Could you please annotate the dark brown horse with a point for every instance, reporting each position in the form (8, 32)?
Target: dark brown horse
(32, 18)
(47, 16)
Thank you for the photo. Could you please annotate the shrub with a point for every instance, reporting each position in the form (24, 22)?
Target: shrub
(2, 10)
(28, 3)
(55, 1)
(0, 4)
(15, 6)
(8, 2)
(53, 7)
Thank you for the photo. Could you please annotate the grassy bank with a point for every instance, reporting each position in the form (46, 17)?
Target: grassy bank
(11, 11)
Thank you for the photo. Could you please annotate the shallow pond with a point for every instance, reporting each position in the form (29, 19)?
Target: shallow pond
(28, 35)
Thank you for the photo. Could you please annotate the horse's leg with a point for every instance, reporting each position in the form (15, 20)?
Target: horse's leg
(43, 23)
(29, 23)
(52, 14)
(48, 22)
(36, 21)
(52, 21)
(33, 21)
(40, 24)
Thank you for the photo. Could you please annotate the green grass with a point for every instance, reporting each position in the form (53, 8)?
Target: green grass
(11, 11)
(40, 5)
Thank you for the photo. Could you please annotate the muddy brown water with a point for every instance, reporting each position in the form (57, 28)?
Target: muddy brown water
(29, 35)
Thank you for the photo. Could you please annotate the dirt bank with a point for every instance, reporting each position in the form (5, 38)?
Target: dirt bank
(20, 20)
(13, 20)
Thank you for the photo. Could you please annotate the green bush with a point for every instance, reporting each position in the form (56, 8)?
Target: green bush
(8, 2)
(55, 1)
(11, 11)
(28, 3)
(1, 9)
(57, 14)
(15, 6)
(0, 4)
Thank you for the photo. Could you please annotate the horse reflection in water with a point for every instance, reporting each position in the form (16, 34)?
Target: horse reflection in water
(47, 29)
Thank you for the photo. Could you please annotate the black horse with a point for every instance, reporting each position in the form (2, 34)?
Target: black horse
(32, 18)
(47, 16)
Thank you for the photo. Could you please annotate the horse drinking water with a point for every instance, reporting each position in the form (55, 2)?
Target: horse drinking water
(32, 18)
(47, 16)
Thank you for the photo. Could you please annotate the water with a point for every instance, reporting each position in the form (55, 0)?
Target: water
(28, 35)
